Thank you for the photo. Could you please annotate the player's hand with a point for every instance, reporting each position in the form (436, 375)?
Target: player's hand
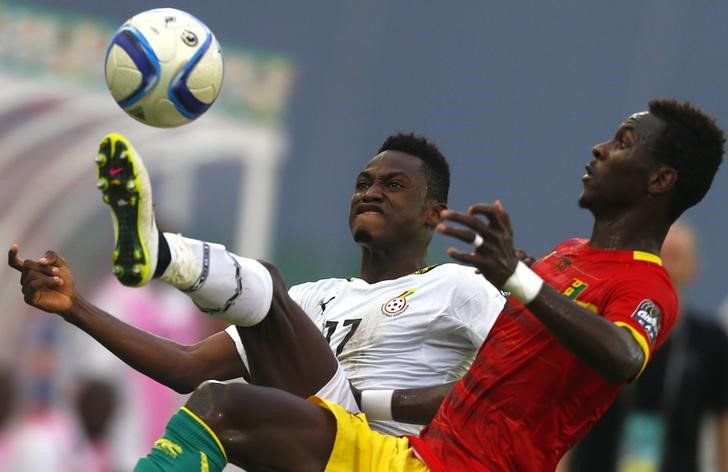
(524, 257)
(496, 257)
(47, 283)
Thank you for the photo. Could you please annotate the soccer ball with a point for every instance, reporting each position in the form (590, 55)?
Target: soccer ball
(164, 67)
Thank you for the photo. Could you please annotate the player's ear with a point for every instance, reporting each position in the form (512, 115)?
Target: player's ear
(662, 180)
(434, 209)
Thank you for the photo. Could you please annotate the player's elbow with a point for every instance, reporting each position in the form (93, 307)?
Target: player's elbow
(192, 373)
(185, 383)
(634, 364)
(627, 365)
(182, 388)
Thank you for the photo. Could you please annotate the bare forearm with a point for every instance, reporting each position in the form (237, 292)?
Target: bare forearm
(419, 405)
(598, 342)
(153, 356)
(414, 406)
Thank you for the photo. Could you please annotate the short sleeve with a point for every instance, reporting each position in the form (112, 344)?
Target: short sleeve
(644, 303)
(477, 306)
(305, 295)
(232, 331)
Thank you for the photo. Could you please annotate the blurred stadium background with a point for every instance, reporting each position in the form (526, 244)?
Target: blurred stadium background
(514, 93)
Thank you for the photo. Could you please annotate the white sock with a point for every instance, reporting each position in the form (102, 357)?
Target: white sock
(185, 264)
(231, 288)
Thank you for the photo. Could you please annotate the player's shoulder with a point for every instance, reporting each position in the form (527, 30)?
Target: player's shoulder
(564, 249)
(643, 269)
(464, 278)
(449, 270)
(571, 244)
(322, 285)
(646, 280)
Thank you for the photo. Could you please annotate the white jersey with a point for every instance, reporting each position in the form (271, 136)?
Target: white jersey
(419, 330)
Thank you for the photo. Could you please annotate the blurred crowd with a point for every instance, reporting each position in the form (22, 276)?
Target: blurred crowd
(68, 405)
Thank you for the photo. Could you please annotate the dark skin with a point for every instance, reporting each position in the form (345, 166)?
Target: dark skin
(250, 434)
(389, 208)
(48, 284)
(392, 219)
(628, 192)
(625, 223)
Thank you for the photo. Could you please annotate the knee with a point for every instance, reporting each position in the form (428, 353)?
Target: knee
(211, 403)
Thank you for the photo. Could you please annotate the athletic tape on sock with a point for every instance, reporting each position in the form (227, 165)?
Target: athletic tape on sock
(235, 289)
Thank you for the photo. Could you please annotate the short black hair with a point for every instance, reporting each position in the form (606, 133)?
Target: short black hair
(691, 143)
(436, 168)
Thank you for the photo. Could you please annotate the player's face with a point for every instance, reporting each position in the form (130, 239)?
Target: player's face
(619, 174)
(390, 200)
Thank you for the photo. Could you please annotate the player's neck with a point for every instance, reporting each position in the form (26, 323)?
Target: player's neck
(631, 231)
(378, 265)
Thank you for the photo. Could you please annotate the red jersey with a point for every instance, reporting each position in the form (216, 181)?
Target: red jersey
(526, 399)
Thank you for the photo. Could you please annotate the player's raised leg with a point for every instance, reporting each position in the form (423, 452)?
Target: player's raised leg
(126, 189)
(284, 348)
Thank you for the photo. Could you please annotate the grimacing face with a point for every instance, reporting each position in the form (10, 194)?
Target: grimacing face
(390, 200)
(618, 175)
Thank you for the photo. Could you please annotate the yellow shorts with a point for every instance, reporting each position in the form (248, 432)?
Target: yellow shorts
(358, 448)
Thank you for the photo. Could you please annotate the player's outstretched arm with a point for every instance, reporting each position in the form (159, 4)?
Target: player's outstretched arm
(47, 284)
(606, 347)
(414, 406)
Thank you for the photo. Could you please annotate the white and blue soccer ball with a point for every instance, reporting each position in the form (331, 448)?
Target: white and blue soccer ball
(164, 67)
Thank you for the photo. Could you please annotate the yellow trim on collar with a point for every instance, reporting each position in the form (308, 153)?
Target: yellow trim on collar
(646, 256)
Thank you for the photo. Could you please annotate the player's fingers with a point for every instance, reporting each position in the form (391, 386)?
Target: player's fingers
(28, 296)
(30, 267)
(524, 257)
(42, 283)
(504, 216)
(51, 258)
(55, 282)
(472, 222)
(464, 235)
(31, 270)
(490, 212)
(33, 291)
(465, 257)
(15, 261)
